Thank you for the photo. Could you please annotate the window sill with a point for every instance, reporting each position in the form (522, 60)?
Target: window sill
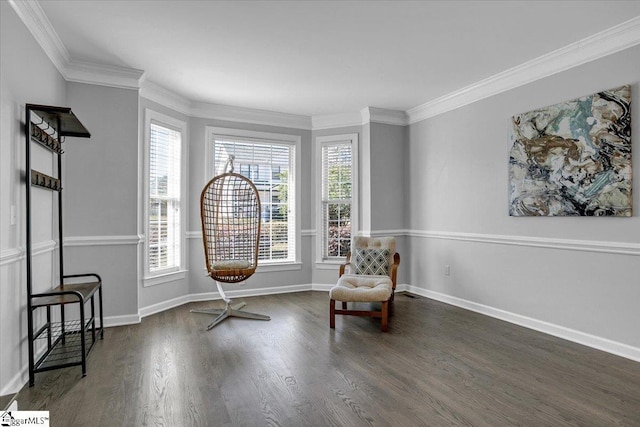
(329, 265)
(164, 278)
(269, 268)
(289, 266)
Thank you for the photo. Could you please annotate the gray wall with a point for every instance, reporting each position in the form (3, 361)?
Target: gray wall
(389, 198)
(198, 281)
(101, 193)
(388, 145)
(457, 182)
(26, 76)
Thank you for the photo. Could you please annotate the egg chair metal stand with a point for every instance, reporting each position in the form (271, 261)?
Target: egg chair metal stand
(230, 214)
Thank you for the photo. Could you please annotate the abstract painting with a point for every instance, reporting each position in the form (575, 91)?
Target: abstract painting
(573, 158)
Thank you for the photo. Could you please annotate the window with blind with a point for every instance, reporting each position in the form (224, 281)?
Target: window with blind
(338, 210)
(164, 210)
(270, 164)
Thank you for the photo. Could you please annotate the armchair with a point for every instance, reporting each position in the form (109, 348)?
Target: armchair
(369, 275)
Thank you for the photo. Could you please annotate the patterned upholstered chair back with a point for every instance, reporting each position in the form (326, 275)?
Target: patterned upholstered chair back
(372, 255)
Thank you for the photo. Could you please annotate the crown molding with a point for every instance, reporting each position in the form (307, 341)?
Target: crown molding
(607, 42)
(40, 27)
(103, 75)
(601, 44)
(249, 115)
(181, 104)
(381, 115)
(36, 21)
(333, 121)
(165, 97)
(364, 116)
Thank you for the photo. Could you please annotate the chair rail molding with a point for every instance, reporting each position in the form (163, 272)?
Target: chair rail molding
(13, 255)
(134, 239)
(9, 256)
(620, 248)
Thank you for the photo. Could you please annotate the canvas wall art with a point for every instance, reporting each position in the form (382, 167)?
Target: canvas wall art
(573, 158)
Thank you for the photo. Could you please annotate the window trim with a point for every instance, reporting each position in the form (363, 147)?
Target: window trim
(351, 138)
(294, 141)
(152, 278)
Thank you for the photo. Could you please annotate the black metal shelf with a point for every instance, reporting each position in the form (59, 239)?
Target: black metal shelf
(61, 119)
(68, 341)
(64, 344)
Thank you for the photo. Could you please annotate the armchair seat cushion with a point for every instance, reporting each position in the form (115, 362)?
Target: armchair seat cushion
(362, 288)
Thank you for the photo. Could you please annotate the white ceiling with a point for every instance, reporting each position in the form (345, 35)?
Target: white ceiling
(323, 57)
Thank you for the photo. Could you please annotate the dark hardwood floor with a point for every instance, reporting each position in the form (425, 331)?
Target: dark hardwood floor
(438, 365)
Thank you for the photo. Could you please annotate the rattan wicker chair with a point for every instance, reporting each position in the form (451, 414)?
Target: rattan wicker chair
(230, 213)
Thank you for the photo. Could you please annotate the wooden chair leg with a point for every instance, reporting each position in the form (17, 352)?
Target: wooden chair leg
(332, 313)
(385, 315)
(344, 305)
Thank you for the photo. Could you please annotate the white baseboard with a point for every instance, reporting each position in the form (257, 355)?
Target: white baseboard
(211, 296)
(568, 334)
(599, 343)
(128, 319)
(583, 338)
(17, 382)
(164, 305)
(402, 287)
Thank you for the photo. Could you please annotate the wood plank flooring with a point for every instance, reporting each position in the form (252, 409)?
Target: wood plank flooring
(438, 365)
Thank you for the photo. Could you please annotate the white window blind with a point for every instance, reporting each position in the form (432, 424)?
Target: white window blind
(163, 222)
(270, 166)
(337, 190)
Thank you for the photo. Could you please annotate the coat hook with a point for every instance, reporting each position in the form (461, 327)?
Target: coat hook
(41, 121)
